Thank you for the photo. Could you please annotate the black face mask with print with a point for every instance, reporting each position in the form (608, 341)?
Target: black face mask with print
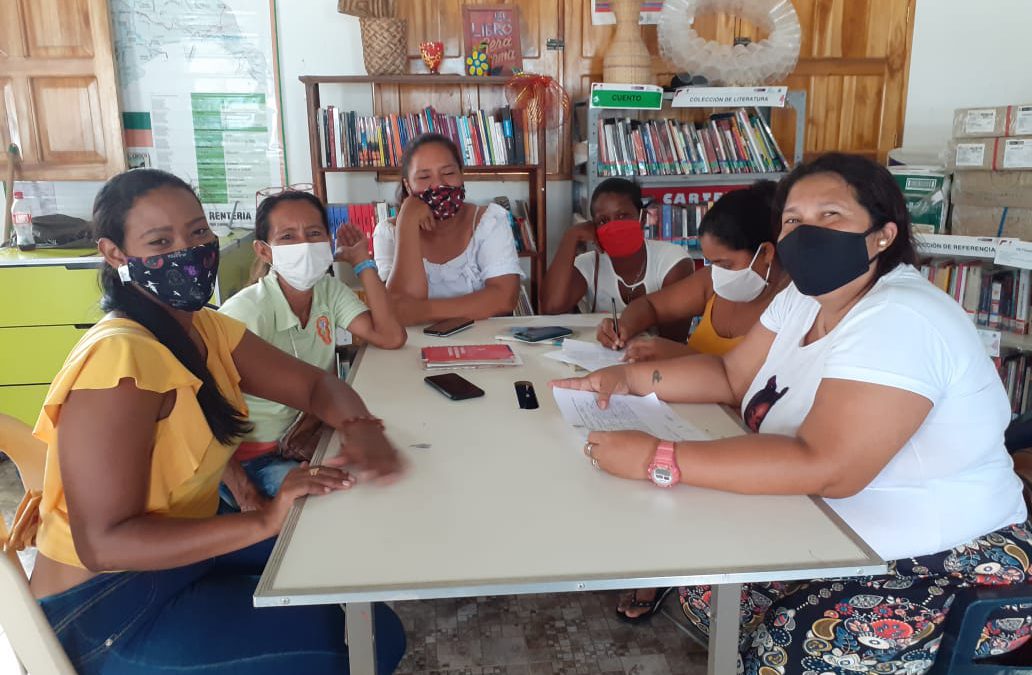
(182, 279)
(820, 260)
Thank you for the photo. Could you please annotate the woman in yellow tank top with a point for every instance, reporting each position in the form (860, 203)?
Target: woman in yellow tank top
(737, 236)
(136, 571)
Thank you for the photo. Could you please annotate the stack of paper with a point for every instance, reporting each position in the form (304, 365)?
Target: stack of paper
(587, 355)
(624, 413)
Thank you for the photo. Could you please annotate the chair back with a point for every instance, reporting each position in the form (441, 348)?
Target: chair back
(28, 453)
(24, 624)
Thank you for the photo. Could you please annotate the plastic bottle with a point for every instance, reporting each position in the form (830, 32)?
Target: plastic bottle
(21, 217)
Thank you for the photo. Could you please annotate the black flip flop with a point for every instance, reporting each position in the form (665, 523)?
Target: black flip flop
(651, 605)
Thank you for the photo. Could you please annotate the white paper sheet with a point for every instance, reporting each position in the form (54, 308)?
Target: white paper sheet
(590, 356)
(637, 413)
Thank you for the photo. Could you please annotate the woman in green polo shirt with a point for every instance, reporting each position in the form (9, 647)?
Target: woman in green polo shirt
(296, 306)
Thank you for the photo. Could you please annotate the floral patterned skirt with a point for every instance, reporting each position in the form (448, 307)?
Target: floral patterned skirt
(882, 624)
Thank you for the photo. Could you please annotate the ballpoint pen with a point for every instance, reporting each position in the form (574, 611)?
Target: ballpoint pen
(616, 321)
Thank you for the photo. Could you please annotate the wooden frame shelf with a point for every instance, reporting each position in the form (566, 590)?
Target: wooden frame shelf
(534, 174)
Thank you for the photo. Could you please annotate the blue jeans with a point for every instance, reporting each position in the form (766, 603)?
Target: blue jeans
(266, 472)
(200, 619)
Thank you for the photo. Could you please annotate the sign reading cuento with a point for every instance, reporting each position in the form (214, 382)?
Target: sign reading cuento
(626, 96)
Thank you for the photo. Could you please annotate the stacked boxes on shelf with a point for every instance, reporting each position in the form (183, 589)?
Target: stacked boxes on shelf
(991, 153)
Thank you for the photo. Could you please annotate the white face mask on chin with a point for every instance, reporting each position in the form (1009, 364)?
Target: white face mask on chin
(742, 285)
(302, 265)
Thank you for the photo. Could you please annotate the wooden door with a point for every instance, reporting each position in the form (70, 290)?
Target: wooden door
(59, 98)
(540, 22)
(853, 64)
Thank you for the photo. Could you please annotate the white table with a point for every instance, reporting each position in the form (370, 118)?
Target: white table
(499, 500)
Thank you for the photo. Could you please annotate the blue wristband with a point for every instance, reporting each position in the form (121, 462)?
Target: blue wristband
(365, 265)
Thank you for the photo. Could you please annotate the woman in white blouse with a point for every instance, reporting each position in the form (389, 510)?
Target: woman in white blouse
(866, 386)
(443, 257)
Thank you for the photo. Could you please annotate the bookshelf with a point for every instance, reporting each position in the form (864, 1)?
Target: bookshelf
(978, 250)
(452, 94)
(585, 180)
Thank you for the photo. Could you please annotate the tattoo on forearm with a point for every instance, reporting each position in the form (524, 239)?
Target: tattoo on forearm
(656, 377)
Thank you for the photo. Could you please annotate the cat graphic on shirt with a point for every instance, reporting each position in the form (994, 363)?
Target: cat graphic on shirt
(761, 403)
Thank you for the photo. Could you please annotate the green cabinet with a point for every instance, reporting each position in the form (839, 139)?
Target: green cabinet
(49, 298)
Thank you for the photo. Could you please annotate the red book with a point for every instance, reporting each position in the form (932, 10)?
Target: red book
(478, 147)
(468, 356)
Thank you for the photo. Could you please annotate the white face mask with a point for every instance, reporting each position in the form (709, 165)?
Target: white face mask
(302, 265)
(742, 285)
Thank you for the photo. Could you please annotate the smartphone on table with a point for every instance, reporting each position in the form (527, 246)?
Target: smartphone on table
(447, 327)
(454, 386)
(540, 333)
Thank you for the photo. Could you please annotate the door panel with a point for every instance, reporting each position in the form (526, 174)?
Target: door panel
(60, 100)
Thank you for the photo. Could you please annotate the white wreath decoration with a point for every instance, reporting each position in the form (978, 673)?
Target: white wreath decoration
(768, 61)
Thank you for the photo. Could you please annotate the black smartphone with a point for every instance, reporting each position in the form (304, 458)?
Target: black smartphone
(447, 327)
(455, 387)
(540, 333)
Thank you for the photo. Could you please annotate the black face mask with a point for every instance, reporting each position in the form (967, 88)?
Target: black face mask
(820, 260)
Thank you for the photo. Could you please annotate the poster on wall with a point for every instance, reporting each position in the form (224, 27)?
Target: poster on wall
(198, 90)
(499, 27)
(602, 12)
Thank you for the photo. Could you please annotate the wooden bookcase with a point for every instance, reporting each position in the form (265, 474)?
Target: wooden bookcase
(587, 179)
(449, 94)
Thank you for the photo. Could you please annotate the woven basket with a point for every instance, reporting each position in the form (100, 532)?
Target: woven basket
(383, 45)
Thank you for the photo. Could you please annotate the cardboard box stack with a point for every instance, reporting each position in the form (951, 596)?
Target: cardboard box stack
(991, 154)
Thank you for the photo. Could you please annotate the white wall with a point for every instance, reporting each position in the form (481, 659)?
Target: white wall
(966, 53)
(314, 39)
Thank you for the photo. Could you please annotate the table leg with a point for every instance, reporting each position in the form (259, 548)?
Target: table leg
(358, 621)
(723, 639)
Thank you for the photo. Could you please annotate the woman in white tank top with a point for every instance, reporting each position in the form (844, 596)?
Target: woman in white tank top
(443, 257)
(626, 268)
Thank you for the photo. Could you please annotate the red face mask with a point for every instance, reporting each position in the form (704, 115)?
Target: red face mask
(620, 238)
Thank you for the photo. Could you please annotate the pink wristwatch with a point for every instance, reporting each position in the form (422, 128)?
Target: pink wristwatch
(664, 471)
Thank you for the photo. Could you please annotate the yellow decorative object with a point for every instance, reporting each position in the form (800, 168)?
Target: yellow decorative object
(478, 63)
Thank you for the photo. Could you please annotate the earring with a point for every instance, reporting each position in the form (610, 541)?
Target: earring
(123, 274)
(883, 242)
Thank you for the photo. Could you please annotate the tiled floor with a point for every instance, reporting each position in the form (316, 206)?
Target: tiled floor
(575, 633)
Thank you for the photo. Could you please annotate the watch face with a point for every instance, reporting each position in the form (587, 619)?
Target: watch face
(662, 476)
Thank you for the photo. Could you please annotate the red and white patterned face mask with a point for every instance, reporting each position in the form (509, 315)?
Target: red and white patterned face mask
(444, 200)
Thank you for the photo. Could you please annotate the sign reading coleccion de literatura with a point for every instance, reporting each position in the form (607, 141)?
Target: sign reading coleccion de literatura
(719, 97)
(634, 96)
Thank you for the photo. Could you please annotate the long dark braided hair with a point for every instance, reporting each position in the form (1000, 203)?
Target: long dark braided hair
(110, 208)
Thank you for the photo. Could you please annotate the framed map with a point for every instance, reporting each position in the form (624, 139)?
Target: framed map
(199, 95)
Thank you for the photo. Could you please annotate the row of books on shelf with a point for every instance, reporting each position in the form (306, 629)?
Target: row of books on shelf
(366, 217)
(732, 142)
(995, 298)
(363, 216)
(675, 223)
(1016, 372)
(521, 222)
(350, 140)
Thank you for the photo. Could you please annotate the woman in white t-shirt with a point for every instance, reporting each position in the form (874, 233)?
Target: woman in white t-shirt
(443, 257)
(869, 387)
(627, 267)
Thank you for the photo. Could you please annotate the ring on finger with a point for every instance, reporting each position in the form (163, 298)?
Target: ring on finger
(588, 447)
(594, 463)
(313, 471)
